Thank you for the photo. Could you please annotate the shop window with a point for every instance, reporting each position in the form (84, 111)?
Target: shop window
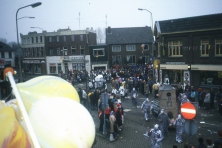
(37, 69)
(78, 66)
(175, 49)
(52, 68)
(218, 47)
(204, 48)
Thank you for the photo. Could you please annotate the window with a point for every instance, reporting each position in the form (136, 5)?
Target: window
(51, 51)
(98, 52)
(42, 52)
(57, 38)
(37, 68)
(58, 51)
(78, 66)
(30, 51)
(2, 55)
(10, 54)
(65, 51)
(175, 49)
(32, 39)
(59, 67)
(41, 39)
(37, 40)
(24, 40)
(82, 50)
(218, 47)
(116, 48)
(52, 68)
(130, 47)
(204, 48)
(146, 47)
(131, 59)
(116, 60)
(73, 38)
(73, 50)
(50, 39)
(64, 38)
(81, 37)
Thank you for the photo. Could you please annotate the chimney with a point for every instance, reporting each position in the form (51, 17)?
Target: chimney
(109, 30)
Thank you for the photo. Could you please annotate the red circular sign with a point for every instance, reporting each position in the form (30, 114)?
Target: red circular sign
(188, 110)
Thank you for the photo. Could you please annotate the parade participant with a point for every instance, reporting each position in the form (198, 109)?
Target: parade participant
(155, 137)
(156, 89)
(146, 108)
(112, 120)
(122, 93)
(179, 123)
(163, 122)
(114, 91)
(184, 99)
(134, 97)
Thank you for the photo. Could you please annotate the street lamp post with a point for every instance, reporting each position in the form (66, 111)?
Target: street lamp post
(37, 27)
(31, 17)
(33, 6)
(153, 30)
(150, 14)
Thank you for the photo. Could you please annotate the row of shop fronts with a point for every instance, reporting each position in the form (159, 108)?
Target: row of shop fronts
(54, 64)
(193, 75)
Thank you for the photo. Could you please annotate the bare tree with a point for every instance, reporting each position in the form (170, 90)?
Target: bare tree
(3, 40)
(100, 35)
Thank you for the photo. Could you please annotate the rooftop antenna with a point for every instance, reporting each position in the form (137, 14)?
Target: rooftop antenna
(79, 20)
(106, 20)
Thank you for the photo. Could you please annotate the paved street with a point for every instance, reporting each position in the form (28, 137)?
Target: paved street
(135, 126)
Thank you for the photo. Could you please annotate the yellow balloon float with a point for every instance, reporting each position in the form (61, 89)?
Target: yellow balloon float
(12, 134)
(44, 87)
(62, 123)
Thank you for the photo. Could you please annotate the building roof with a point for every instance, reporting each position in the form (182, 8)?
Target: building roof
(131, 35)
(196, 23)
(5, 47)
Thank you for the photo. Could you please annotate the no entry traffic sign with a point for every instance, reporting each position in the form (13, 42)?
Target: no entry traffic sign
(188, 110)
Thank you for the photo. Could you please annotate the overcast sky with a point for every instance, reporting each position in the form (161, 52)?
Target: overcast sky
(60, 14)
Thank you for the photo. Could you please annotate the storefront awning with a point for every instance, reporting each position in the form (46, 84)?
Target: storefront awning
(207, 67)
(174, 66)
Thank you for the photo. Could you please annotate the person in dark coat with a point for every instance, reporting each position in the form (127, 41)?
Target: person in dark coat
(119, 117)
(163, 122)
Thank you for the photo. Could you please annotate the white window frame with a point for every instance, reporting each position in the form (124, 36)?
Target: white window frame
(204, 48)
(218, 47)
(65, 51)
(116, 48)
(130, 47)
(100, 52)
(175, 49)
